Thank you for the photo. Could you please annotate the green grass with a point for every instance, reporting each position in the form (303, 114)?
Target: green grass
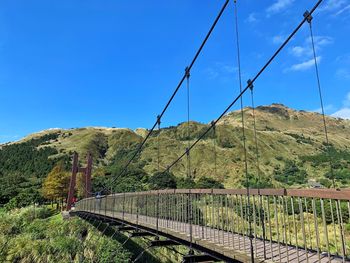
(42, 236)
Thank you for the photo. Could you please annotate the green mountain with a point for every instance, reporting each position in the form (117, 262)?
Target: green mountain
(291, 149)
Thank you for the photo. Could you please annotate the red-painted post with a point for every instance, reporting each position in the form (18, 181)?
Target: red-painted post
(72, 181)
(88, 176)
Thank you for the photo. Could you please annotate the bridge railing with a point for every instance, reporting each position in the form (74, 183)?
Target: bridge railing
(309, 219)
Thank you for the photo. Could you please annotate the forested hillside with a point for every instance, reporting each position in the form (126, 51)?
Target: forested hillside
(291, 153)
(23, 166)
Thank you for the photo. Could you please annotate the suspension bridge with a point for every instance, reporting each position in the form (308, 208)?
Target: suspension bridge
(231, 225)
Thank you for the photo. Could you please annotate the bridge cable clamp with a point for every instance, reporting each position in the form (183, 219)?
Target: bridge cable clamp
(213, 125)
(187, 73)
(308, 16)
(250, 84)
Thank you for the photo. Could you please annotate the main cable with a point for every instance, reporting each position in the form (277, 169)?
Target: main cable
(309, 17)
(250, 82)
(175, 91)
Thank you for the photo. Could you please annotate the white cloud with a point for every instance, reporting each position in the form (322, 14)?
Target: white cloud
(278, 39)
(320, 41)
(332, 5)
(327, 108)
(211, 73)
(336, 7)
(219, 70)
(343, 73)
(298, 51)
(306, 48)
(343, 59)
(228, 69)
(252, 18)
(305, 51)
(344, 112)
(304, 65)
(344, 9)
(278, 6)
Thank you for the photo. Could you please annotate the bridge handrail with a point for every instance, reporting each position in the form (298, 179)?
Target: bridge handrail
(308, 219)
(334, 194)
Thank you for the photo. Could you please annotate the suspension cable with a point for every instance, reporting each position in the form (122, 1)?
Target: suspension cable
(187, 74)
(255, 138)
(158, 143)
(241, 99)
(189, 202)
(258, 170)
(243, 133)
(215, 154)
(139, 149)
(309, 18)
(247, 86)
(234, 101)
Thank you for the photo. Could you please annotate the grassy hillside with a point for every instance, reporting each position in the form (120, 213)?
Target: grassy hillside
(291, 146)
(28, 235)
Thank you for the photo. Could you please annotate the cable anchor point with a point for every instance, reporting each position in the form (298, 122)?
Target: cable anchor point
(187, 73)
(250, 84)
(213, 125)
(158, 120)
(308, 16)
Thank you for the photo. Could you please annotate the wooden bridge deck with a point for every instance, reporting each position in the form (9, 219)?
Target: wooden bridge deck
(232, 245)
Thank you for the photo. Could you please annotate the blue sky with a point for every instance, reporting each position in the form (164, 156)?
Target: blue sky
(115, 63)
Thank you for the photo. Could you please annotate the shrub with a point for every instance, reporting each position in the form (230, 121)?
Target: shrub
(291, 174)
(162, 180)
(208, 183)
(279, 158)
(185, 183)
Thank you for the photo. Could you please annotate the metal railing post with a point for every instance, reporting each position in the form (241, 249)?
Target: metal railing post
(157, 213)
(189, 218)
(123, 211)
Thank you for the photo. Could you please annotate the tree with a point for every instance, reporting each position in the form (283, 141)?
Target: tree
(161, 180)
(56, 184)
(133, 180)
(291, 174)
(10, 186)
(185, 183)
(256, 182)
(208, 183)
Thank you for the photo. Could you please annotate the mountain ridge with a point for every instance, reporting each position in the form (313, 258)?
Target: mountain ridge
(271, 108)
(286, 137)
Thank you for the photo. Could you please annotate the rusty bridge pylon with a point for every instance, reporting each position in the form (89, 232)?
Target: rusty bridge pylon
(86, 171)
